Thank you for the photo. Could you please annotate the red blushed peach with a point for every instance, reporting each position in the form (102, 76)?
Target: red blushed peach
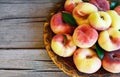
(62, 45)
(82, 11)
(117, 9)
(58, 26)
(111, 61)
(102, 5)
(86, 60)
(71, 4)
(85, 36)
(109, 39)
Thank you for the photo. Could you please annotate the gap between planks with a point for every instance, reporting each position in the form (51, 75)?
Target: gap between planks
(8, 73)
(27, 62)
(37, 59)
(27, 1)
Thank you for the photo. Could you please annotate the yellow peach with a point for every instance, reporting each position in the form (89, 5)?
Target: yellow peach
(100, 20)
(115, 19)
(62, 45)
(109, 39)
(82, 11)
(86, 60)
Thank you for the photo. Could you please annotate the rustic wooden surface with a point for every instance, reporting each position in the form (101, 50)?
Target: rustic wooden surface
(22, 51)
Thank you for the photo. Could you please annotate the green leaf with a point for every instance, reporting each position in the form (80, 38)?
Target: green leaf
(113, 4)
(65, 39)
(100, 51)
(119, 30)
(68, 18)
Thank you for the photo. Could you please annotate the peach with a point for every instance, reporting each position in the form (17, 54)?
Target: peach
(58, 26)
(71, 4)
(100, 20)
(102, 5)
(62, 45)
(82, 11)
(117, 9)
(115, 19)
(85, 36)
(109, 39)
(86, 60)
(111, 61)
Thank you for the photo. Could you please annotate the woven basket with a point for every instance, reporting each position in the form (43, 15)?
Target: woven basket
(66, 64)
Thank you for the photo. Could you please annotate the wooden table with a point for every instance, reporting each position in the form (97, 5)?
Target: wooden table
(22, 51)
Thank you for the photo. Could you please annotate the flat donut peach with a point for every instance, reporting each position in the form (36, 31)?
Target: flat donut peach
(82, 11)
(86, 60)
(58, 26)
(100, 20)
(71, 4)
(117, 9)
(109, 39)
(62, 45)
(85, 36)
(111, 61)
(115, 19)
(102, 5)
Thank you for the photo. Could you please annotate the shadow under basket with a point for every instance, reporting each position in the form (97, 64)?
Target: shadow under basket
(66, 64)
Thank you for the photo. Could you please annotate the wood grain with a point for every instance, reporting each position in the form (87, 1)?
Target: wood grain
(21, 22)
(27, 1)
(8, 73)
(27, 63)
(24, 54)
(22, 33)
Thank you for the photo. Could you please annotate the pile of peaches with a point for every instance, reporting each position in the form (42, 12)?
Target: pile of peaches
(90, 33)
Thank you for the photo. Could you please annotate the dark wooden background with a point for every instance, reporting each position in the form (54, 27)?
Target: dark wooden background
(22, 51)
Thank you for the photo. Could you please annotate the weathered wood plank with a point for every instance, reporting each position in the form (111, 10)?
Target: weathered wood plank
(24, 54)
(40, 65)
(27, 1)
(25, 10)
(26, 59)
(21, 33)
(10, 73)
(21, 25)
(27, 63)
